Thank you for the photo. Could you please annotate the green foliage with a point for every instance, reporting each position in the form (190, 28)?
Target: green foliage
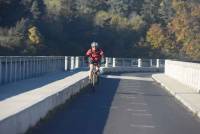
(137, 23)
(119, 7)
(161, 39)
(144, 28)
(150, 10)
(35, 10)
(102, 19)
(166, 11)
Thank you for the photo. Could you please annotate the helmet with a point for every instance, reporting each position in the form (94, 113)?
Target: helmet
(94, 44)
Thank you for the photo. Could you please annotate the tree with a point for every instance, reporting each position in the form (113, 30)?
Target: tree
(161, 39)
(102, 19)
(35, 10)
(137, 23)
(68, 9)
(150, 10)
(166, 11)
(119, 7)
(186, 27)
(34, 35)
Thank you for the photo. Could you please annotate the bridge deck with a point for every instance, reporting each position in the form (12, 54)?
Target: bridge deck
(122, 104)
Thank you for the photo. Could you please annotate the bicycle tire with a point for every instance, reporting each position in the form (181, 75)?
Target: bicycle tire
(92, 82)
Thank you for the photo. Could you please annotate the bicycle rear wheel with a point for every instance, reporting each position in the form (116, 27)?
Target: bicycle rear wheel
(93, 82)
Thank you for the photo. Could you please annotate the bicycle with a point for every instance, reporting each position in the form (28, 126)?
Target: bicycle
(94, 77)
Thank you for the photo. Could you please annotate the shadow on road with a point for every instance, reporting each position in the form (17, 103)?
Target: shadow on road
(86, 114)
(145, 94)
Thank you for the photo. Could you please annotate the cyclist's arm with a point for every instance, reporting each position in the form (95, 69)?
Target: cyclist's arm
(88, 53)
(102, 57)
(87, 56)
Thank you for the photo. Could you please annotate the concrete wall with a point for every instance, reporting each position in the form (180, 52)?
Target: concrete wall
(19, 121)
(185, 72)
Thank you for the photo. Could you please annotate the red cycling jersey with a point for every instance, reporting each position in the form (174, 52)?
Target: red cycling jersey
(95, 55)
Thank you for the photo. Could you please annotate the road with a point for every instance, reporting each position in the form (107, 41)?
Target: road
(129, 103)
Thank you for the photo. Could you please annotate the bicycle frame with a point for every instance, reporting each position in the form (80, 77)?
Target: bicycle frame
(94, 77)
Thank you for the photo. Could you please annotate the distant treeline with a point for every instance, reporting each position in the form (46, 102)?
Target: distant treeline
(123, 28)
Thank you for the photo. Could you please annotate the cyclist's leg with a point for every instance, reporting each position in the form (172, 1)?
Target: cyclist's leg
(98, 66)
(90, 71)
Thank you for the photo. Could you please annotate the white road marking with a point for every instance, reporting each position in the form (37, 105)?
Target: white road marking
(142, 126)
(135, 103)
(128, 97)
(127, 77)
(135, 110)
(141, 114)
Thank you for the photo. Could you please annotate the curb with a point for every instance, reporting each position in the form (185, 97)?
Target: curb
(189, 106)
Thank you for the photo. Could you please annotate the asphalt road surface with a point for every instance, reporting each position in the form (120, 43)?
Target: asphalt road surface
(122, 104)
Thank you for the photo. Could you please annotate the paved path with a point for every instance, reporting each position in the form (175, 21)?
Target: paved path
(123, 104)
(185, 94)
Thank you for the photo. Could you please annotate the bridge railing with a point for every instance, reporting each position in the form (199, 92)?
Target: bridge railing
(15, 68)
(133, 62)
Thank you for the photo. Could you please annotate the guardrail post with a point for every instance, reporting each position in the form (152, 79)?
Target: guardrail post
(77, 62)
(27, 68)
(157, 63)
(66, 63)
(52, 63)
(23, 68)
(139, 62)
(55, 59)
(34, 67)
(107, 60)
(48, 64)
(42, 62)
(16, 67)
(151, 62)
(6, 70)
(11, 69)
(114, 62)
(72, 63)
(39, 68)
(45, 64)
(59, 63)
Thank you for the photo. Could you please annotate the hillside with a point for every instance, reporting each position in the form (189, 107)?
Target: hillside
(124, 28)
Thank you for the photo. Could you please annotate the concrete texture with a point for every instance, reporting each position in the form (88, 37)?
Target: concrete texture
(131, 69)
(122, 104)
(24, 103)
(186, 95)
(184, 72)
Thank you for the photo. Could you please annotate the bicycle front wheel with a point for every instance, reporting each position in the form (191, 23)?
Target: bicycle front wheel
(94, 79)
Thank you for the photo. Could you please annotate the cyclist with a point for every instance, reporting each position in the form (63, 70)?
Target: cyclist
(95, 56)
